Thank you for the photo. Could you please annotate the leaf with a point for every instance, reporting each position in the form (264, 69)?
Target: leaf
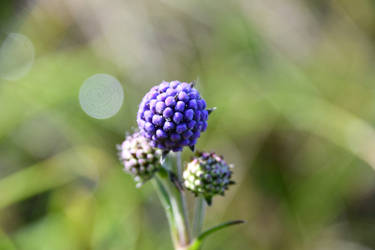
(198, 242)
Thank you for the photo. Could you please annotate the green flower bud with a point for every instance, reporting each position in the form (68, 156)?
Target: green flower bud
(207, 175)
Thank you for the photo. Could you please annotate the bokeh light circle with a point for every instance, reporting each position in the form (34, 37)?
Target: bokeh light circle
(101, 96)
(16, 56)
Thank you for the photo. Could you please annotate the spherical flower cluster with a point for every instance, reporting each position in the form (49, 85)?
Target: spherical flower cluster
(207, 174)
(139, 158)
(172, 115)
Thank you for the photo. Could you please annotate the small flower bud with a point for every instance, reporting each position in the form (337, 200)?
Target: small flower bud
(139, 158)
(208, 175)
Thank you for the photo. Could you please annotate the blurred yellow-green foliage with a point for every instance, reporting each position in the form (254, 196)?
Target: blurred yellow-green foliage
(294, 86)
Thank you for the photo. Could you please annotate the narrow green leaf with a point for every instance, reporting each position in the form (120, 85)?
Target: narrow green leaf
(198, 242)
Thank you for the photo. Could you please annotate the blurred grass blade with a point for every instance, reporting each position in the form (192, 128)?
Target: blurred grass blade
(329, 121)
(5, 242)
(49, 174)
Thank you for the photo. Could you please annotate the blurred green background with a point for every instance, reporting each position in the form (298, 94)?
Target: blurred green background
(293, 83)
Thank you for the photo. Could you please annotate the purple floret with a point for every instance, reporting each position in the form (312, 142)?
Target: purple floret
(177, 117)
(172, 115)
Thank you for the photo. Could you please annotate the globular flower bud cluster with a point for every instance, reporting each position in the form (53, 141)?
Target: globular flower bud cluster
(140, 159)
(207, 175)
(172, 115)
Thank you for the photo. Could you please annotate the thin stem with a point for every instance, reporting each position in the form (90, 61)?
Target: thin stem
(199, 214)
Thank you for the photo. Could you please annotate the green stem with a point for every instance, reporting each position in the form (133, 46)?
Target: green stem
(162, 192)
(199, 213)
(177, 202)
(180, 215)
(181, 212)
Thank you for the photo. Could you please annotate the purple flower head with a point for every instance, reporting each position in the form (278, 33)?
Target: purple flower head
(139, 158)
(172, 115)
(207, 175)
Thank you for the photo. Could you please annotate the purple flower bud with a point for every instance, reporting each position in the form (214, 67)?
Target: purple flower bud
(187, 134)
(170, 101)
(153, 144)
(152, 95)
(148, 135)
(141, 123)
(201, 104)
(186, 86)
(194, 94)
(171, 92)
(164, 86)
(197, 134)
(200, 126)
(177, 117)
(193, 104)
(204, 115)
(157, 120)
(168, 112)
(148, 115)
(149, 127)
(204, 127)
(162, 97)
(182, 96)
(174, 84)
(168, 126)
(153, 105)
(192, 124)
(180, 106)
(160, 106)
(189, 114)
(181, 128)
(160, 134)
(198, 115)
